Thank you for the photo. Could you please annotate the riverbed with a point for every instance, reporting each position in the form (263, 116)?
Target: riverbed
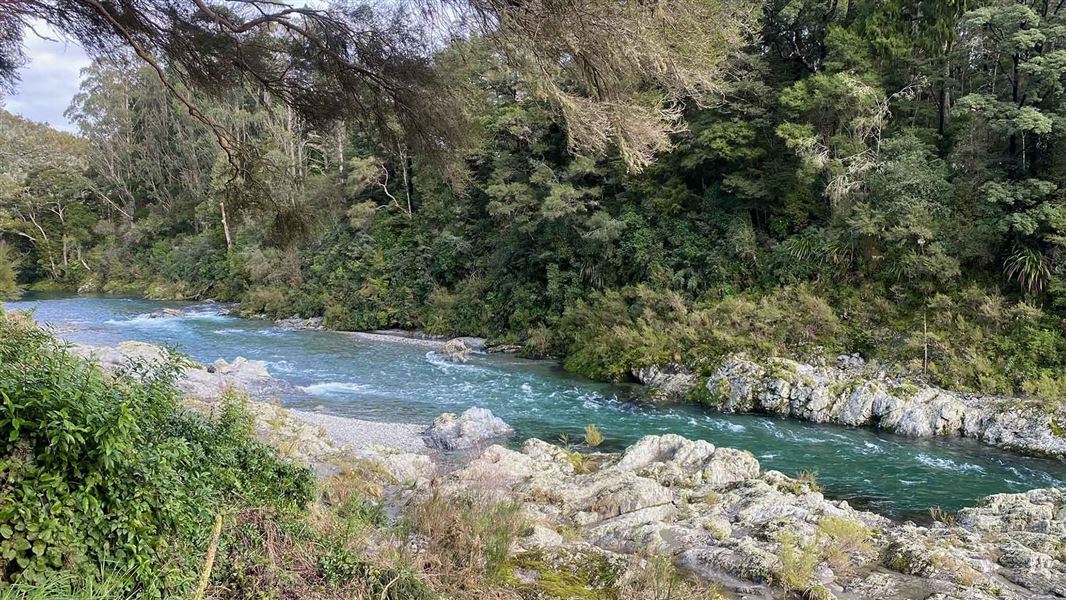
(342, 374)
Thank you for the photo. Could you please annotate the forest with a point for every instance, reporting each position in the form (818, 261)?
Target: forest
(871, 177)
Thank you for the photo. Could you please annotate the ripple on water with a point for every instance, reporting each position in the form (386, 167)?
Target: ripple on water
(335, 388)
(723, 425)
(946, 464)
(873, 448)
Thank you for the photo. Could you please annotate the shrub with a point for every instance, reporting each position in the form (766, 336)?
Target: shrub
(267, 301)
(617, 331)
(98, 471)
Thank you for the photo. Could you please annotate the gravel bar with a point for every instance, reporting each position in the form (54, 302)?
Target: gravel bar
(360, 435)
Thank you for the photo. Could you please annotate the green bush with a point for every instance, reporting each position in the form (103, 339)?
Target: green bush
(99, 471)
(9, 287)
(618, 331)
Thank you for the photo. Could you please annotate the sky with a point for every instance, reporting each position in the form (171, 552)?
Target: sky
(49, 81)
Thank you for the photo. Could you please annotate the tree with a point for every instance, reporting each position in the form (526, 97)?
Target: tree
(357, 63)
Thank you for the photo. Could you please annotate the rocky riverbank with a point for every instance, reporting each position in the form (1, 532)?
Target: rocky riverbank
(714, 511)
(760, 534)
(853, 394)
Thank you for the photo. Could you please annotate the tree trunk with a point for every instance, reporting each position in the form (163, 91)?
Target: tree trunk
(1013, 146)
(225, 226)
(945, 98)
(405, 161)
(340, 148)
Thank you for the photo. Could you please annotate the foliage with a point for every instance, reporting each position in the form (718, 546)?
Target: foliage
(840, 538)
(869, 171)
(69, 586)
(797, 562)
(659, 579)
(110, 472)
(9, 287)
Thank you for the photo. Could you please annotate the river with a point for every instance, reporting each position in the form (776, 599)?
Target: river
(340, 374)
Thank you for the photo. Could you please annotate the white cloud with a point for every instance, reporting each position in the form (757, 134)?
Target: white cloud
(49, 80)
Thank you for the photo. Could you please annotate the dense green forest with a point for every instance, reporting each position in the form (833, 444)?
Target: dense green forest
(879, 177)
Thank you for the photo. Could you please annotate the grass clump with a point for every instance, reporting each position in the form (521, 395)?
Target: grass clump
(797, 563)
(659, 579)
(467, 539)
(566, 574)
(593, 436)
(70, 586)
(840, 538)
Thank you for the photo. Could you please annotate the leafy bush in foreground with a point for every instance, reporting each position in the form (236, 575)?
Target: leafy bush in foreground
(109, 472)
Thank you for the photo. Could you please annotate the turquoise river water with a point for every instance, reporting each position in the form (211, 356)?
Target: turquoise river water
(340, 374)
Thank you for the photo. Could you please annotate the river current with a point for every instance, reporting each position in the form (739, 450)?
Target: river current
(341, 374)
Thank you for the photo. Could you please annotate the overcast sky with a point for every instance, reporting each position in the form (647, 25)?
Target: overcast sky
(48, 81)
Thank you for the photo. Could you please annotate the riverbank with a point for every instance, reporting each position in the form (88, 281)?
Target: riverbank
(715, 512)
(310, 436)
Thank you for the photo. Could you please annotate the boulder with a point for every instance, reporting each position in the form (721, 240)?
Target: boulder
(166, 313)
(457, 432)
(456, 350)
(669, 383)
(721, 518)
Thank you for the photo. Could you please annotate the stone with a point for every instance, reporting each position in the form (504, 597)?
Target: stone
(405, 467)
(296, 322)
(166, 313)
(720, 517)
(456, 350)
(472, 428)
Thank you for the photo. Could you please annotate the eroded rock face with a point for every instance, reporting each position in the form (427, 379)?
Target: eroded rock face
(849, 394)
(846, 396)
(722, 518)
(458, 432)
